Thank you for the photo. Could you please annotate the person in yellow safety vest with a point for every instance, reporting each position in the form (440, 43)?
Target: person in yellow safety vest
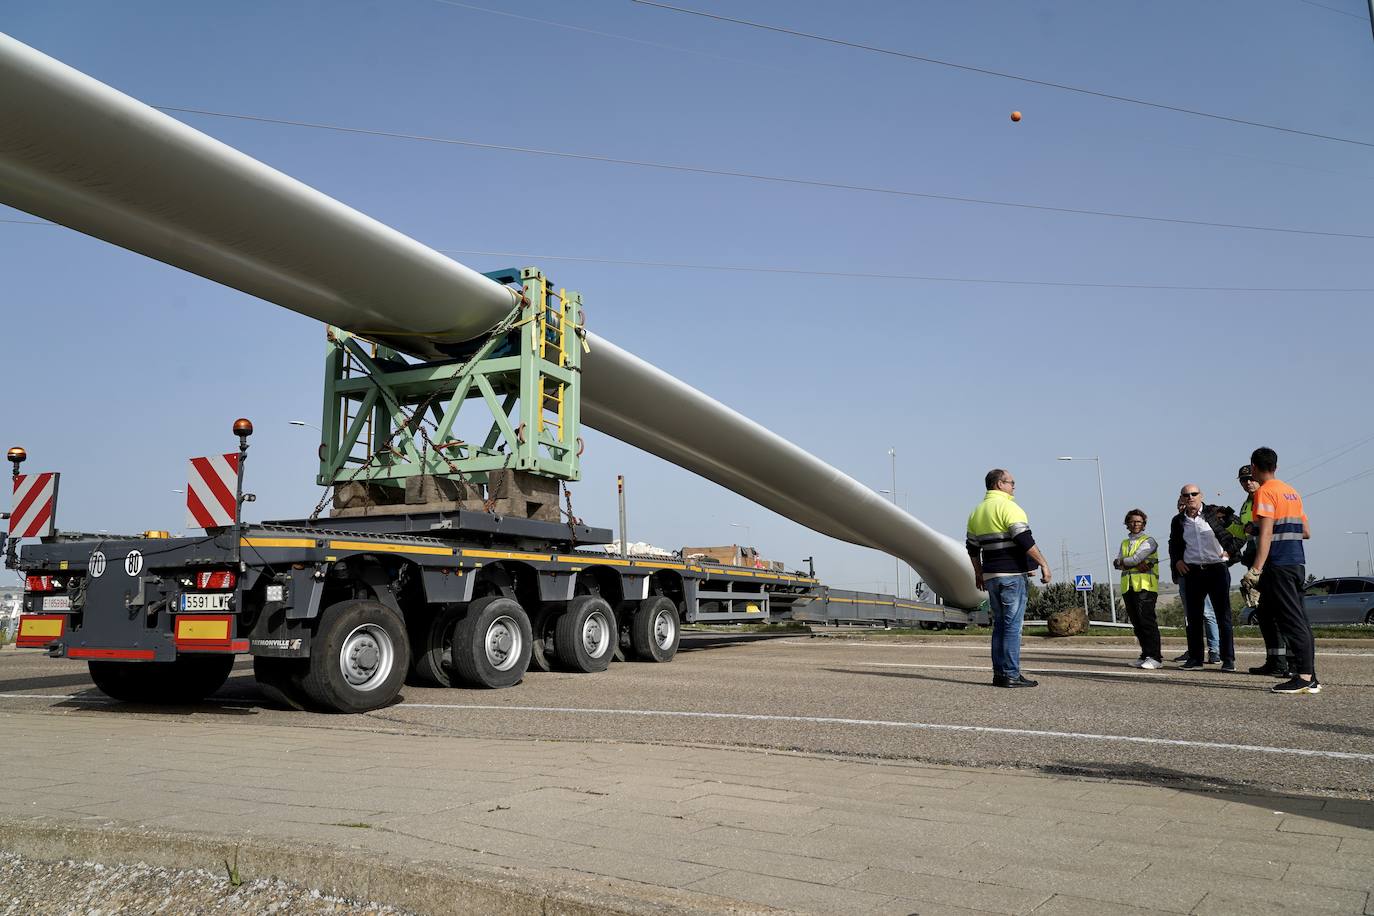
(1002, 551)
(1275, 649)
(1138, 560)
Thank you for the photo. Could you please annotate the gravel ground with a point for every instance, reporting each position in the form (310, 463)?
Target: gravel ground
(34, 888)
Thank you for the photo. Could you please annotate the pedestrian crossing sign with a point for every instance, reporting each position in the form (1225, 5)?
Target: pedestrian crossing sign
(1083, 583)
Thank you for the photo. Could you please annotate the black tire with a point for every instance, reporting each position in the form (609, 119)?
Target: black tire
(432, 665)
(586, 635)
(189, 679)
(542, 653)
(491, 643)
(279, 681)
(1369, 619)
(655, 630)
(358, 658)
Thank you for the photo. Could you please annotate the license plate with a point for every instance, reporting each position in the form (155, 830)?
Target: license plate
(199, 602)
(57, 603)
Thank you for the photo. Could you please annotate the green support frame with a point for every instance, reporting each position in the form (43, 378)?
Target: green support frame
(387, 418)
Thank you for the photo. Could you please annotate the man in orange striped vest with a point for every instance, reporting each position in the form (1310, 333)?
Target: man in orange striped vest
(1281, 565)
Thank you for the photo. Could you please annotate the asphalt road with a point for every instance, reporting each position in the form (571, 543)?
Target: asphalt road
(1092, 715)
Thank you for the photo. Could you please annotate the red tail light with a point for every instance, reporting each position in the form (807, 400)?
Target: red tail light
(43, 584)
(217, 579)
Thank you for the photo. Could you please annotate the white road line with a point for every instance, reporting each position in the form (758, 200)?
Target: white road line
(1133, 651)
(1141, 673)
(818, 720)
(922, 726)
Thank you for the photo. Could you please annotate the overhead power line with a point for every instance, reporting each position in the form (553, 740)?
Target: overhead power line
(999, 74)
(1334, 10)
(921, 278)
(861, 275)
(757, 176)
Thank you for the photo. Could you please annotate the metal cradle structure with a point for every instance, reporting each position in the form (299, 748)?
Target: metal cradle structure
(82, 154)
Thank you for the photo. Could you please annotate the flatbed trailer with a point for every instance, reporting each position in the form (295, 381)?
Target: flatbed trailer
(339, 613)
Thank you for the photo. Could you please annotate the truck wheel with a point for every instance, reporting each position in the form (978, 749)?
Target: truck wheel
(491, 644)
(655, 630)
(433, 666)
(585, 635)
(279, 680)
(189, 679)
(357, 658)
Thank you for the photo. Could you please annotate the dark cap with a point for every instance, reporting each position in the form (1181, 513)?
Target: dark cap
(1245, 473)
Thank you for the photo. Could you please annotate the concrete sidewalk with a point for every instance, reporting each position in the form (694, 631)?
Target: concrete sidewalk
(457, 825)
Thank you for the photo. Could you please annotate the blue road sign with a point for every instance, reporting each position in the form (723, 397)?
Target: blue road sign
(1083, 583)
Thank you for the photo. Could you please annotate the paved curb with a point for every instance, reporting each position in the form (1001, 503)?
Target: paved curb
(416, 886)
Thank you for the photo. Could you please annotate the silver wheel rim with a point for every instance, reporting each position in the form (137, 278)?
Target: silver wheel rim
(596, 634)
(664, 629)
(367, 657)
(503, 643)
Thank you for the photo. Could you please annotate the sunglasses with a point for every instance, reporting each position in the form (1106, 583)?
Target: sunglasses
(1190, 495)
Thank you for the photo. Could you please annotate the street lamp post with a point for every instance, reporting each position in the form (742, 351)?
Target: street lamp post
(1106, 546)
(904, 494)
(1369, 549)
(896, 563)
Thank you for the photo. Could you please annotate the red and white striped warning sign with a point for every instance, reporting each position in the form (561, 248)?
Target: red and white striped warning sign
(33, 514)
(210, 491)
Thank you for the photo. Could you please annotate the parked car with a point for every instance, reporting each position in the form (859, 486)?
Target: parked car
(1348, 599)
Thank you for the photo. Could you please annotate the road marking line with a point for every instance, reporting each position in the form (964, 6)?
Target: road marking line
(921, 726)
(1330, 653)
(1134, 672)
(822, 720)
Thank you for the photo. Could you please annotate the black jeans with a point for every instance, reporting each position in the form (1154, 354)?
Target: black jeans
(1281, 595)
(1140, 608)
(1275, 646)
(1212, 580)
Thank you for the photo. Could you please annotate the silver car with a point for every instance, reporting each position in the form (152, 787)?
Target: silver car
(1349, 599)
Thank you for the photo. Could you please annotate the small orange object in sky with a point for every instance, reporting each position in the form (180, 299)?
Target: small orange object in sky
(1016, 115)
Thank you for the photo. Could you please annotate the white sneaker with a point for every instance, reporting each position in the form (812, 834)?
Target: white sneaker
(1151, 664)
(1139, 662)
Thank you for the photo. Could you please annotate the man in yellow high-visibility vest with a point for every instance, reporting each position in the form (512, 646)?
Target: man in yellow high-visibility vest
(1138, 560)
(1003, 552)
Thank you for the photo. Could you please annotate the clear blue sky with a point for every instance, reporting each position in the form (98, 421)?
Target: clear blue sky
(117, 368)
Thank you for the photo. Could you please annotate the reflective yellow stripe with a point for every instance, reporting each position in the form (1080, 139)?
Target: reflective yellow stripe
(736, 572)
(276, 542)
(202, 629)
(390, 548)
(594, 560)
(30, 627)
(506, 555)
(660, 565)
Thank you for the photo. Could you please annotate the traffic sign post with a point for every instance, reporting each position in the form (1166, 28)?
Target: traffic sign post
(1084, 583)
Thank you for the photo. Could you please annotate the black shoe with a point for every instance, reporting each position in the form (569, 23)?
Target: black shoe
(1229, 667)
(1189, 665)
(1298, 685)
(1182, 658)
(1018, 681)
(1274, 669)
(1213, 659)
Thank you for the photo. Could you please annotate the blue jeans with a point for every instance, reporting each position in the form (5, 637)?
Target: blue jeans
(1209, 620)
(1007, 602)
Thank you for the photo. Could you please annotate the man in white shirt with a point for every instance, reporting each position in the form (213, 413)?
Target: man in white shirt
(1199, 551)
